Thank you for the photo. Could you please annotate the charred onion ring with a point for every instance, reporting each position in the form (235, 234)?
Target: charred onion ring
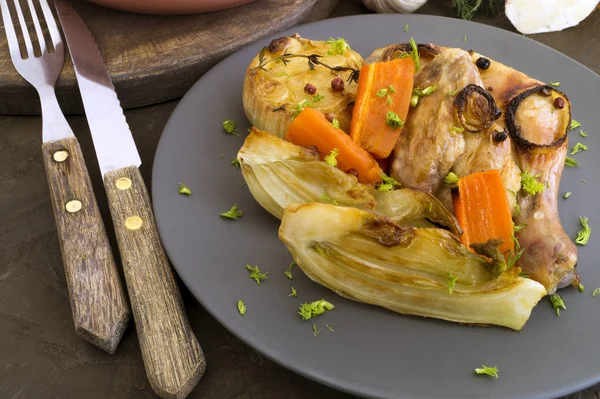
(425, 50)
(476, 111)
(515, 130)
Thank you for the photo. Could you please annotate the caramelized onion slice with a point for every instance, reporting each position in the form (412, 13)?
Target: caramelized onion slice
(476, 109)
(425, 51)
(535, 123)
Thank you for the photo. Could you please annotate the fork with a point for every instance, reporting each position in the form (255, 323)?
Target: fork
(100, 310)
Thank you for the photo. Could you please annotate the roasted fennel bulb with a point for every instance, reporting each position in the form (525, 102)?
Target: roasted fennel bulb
(279, 173)
(417, 271)
(293, 73)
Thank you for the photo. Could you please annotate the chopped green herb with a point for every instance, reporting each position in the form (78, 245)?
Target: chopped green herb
(221, 155)
(393, 120)
(557, 303)
(583, 236)
(288, 272)
(451, 179)
(317, 97)
(230, 127)
(414, 100)
(335, 123)
(581, 287)
(570, 162)
(519, 227)
(390, 180)
(491, 371)
(574, 124)
(596, 292)
(415, 54)
(451, 283)
(465, 38)
(406, 28)
(567, 195)
(235, 162)
(555, 84)
(583, 181)
(255, 274)
(517, 210)
(583, 134)
(337, 46)
(385, 187)
(241, 307)
(529, 183)
(327, 198)
(329, 328)
(233, 213)
(300, 107)
(381, 93)
(315, 331)
(457, 129)
(183, 189)
(331, 158)
(294, 293)
(514, 255)
(578, 148)
(391, 89)
(316, 308)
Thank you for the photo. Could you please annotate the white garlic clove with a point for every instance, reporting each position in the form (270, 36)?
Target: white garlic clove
(391, 6)
(537, 16)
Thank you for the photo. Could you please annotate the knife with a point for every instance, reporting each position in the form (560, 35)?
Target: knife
(172, 356)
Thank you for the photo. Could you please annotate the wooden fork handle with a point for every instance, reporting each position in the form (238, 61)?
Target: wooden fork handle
(98, 302)
(172, 356)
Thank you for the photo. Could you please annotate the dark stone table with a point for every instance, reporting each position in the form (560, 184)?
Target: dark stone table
(40, 355)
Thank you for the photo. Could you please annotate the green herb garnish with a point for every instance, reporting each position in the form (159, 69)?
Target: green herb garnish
(596, 292)
(316, 98)
(230, 127)
(316, 308)
(457, 129)
(415, 54)
(519, 227)
(337, 46)
(233, 213)
(583, 181)
(574, 124)
(329, 328)
(555, 84)
(241, 307)
(557, 303)
(451, 179)
(578, 148)
(491, 371)
(327, 198)
(583, 236)
(235, 162)
(581, 287)
(293, 292)
(406, 28)
(393, 120)
(417, 93)
(385, 187)
(389, 183)
(255, 274)
(335, 123)
(221, 155)
(315, 331)
(466, 9)
(529, 183)
(331, 158)
(451, 282)
(183, 189)
(288, 272)
(583, 134)
(570, 162)
(567, 195)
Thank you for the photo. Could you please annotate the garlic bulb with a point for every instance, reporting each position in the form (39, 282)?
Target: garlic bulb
(390, 6)
(537, 16)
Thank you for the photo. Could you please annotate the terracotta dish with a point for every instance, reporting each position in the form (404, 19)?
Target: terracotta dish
(170, 6)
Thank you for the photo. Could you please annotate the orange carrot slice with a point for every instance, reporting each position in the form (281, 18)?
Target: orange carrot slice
(311, 128)
(383, 87)
(482, 209)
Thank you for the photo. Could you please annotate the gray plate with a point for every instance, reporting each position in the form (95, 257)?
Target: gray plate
(372, 352)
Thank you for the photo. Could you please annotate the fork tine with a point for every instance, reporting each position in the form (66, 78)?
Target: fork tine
(38, 27)
(24, 29)
(51, 22)
(11, 36)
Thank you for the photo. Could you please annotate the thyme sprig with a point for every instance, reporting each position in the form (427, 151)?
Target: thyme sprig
(313, 60)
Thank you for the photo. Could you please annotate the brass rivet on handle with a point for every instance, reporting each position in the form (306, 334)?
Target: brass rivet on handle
(73, 206)
(60, 155)
(133, 223)
(123, 183)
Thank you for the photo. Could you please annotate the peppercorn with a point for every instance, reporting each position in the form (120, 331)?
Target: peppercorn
(337, 85)
(559, 103)
(500, 136)
(482, 63)
(352, 171)
(310, 89)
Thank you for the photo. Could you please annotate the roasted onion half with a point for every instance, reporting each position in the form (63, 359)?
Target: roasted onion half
(476, 109)
(417, 271)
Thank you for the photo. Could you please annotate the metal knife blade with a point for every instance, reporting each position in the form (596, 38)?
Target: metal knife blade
(114, 144)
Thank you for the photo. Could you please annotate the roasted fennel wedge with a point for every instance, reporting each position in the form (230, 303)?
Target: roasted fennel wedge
(279, 173)
(370, 259)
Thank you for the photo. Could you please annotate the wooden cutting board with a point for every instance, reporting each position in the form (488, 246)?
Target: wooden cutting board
(152, 59)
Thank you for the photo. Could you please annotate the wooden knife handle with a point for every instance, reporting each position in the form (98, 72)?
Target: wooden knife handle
(172, 356)
(98, 302)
